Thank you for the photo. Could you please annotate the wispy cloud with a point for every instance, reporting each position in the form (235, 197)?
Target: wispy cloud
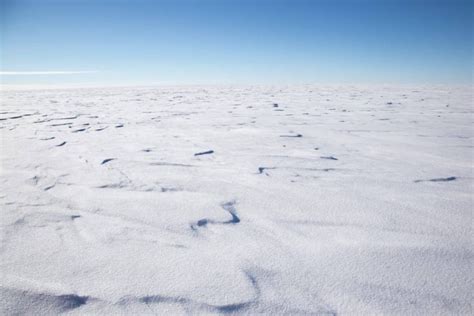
(33, 73)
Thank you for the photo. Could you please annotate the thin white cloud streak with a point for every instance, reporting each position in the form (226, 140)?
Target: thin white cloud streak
(34, 73)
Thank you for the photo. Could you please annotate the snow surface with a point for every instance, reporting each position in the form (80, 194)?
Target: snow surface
(275, 200)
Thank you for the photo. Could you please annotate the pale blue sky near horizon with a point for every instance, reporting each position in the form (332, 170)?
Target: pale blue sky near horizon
(143, 42)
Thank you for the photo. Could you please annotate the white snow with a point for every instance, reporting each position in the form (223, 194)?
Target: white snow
(315, 199)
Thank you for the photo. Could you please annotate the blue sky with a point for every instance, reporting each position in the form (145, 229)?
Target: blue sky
(236, 41)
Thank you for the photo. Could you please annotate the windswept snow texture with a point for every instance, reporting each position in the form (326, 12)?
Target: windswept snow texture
(237, 200)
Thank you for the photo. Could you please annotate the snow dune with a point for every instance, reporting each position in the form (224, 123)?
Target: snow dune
(276, 200)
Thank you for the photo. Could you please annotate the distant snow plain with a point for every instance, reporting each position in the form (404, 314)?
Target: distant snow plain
(237, 199)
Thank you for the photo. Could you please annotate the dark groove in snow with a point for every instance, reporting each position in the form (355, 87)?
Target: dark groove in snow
(107, 160)
(229, 207)
(204, 153)
(437, 180)
(297, 135)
